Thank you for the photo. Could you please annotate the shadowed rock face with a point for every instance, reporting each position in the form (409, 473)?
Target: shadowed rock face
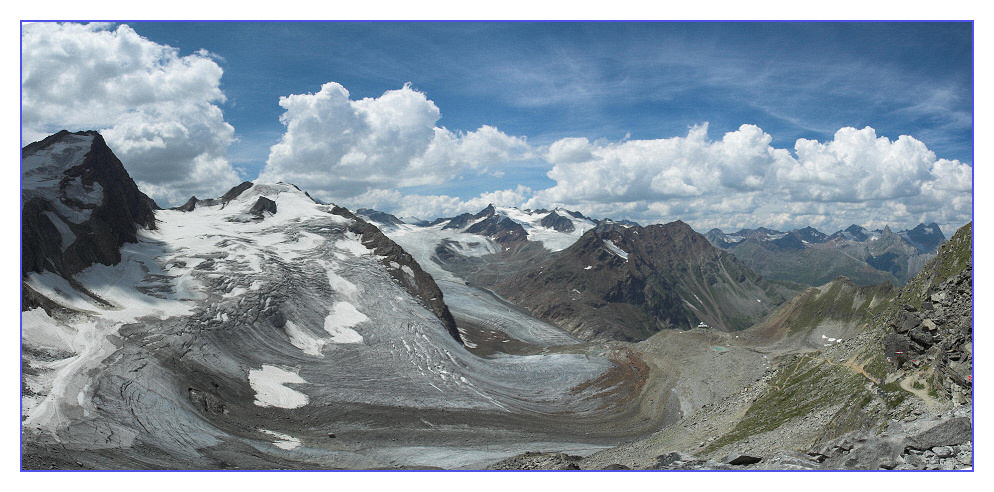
(493, 225)
(558, 222)
(422, 285)
(926, 238)
(111, 214)
(500, 228)
(262, 206)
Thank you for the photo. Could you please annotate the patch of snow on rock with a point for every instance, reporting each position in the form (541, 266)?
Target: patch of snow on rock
(283, 441)
(270, 391)
(615, 249)
(304, 339)
(340, 285)
(340, 321)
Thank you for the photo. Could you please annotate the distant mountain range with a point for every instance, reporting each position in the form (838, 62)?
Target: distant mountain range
(628, 282)
(810, 257)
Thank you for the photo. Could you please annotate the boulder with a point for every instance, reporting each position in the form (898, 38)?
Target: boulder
(947, 433)
(738, 459)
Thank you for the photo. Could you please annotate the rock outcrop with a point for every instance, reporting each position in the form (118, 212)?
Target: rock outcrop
(78, 204)
(262, 207)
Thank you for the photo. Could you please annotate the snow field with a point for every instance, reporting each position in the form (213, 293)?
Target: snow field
(268, 384)
(282, 441)
(340, 321)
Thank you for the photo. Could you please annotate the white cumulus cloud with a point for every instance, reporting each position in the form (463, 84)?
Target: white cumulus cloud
(343, 148)
(743, 181)
(157, 110)
(430, 207)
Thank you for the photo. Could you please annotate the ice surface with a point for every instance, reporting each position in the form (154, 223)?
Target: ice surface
(341, 285)
(219, 278)
(304, 339)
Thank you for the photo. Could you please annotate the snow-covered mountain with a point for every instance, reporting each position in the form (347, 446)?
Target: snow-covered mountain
(263, 328)
(492, 229)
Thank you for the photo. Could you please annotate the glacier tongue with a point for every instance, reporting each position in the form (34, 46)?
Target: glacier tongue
(216, 316)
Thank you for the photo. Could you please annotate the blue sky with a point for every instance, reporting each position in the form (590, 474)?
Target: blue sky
(549, 84)
(603, 80)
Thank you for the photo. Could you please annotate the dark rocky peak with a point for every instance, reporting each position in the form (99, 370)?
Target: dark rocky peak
(718, 239)
(626, 283)
(234, 192)
(458, 222)
(490, 211)
(657, 243)
(500, 228)
(462, 220)
(857, 233)
(558, 222)
(228, 196)
(578, 215)
(189, 206)
(79, 204)
(925, 238)
(62, 136)
(263, 206)
(675, 241)
(378, 217)
(811, 235)
(315, 200)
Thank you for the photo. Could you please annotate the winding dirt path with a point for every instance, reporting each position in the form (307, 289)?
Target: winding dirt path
(907, 384)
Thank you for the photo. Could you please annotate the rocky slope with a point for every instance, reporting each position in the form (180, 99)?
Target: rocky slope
(853, 402)
(628, 282)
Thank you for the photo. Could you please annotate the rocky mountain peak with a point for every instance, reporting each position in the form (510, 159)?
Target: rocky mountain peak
(558, 222)
(79, 204)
